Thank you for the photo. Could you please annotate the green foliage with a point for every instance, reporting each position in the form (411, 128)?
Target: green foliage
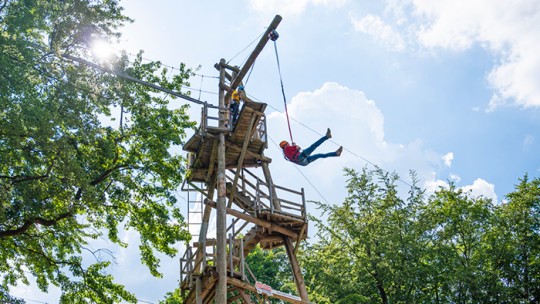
(272, 268)
(174, 297)
(82, 153)
(449, 248)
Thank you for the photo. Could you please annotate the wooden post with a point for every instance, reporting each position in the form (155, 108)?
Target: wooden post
(242, 272)
(221, 218)
(297, 272)
(198, 290)
(205, 220)
(271, 188)
(251, 59)
(241, 159)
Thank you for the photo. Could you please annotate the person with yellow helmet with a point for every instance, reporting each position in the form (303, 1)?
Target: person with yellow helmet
(295, 154)
(236, 97)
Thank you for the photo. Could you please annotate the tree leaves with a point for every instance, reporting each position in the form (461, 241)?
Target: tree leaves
(82, 153)
(449, 248)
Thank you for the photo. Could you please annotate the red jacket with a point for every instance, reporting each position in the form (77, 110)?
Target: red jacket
(291, 152)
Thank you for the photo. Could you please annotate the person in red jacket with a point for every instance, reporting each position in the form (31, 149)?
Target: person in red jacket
(295, 154)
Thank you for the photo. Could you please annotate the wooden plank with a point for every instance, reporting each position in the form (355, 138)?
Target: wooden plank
(212, 162)
(240, 162)
(247, 286)
(244, 296)
(255, 220)
(250, 153)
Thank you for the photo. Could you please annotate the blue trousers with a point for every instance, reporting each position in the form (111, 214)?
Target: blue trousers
(235, 109)
(305, 157)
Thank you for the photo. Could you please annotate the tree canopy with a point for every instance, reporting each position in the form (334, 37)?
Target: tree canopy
(451, 247)
(83, 154)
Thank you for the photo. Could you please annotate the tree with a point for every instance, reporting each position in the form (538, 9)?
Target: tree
(368, 250)
(513, 245)
(454, 226)
(271, 267)
(82, 153)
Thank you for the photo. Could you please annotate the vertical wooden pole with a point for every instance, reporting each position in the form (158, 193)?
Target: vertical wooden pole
(221, 218)
(297, 272)
(272, 189)
(198, 290)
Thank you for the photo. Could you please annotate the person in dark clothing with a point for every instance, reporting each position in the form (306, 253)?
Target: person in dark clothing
(295, 154)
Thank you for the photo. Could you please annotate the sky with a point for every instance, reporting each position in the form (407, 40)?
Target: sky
(448, 88)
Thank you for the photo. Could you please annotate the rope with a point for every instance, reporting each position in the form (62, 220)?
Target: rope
(252, 42)
(283, 90)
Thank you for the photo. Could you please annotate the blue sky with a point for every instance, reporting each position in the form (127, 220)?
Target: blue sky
(448, 88)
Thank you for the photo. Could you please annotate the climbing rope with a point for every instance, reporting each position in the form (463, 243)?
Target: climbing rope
(274, 36)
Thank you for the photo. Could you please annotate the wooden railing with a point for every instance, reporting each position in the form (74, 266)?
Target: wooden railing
(210, 120)
(190, 265)
(291, 202)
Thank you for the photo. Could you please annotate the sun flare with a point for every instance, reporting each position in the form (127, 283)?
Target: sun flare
(102, 49)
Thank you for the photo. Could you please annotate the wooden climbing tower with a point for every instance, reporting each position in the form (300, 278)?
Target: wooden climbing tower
(229, 171)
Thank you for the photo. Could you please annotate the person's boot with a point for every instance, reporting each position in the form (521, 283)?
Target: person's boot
(338, 151)
(328, 133)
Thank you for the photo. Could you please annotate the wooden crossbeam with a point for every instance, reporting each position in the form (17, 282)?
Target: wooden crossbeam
(254, 220)
(241, 159)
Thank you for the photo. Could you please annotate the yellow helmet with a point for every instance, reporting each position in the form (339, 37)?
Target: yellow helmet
(283, 144)
(235, 95)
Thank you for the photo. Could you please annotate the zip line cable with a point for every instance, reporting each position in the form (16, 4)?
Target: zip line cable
(331, 140)
(191, 99)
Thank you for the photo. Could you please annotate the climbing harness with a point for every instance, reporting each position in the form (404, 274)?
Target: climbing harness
(273, 35)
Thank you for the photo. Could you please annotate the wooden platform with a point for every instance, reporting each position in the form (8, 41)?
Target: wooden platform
(269, 238)
(204, 145)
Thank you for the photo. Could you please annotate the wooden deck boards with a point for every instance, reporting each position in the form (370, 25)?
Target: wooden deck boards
(201, 144)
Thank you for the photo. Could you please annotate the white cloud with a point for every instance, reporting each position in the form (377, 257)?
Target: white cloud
(455, 178)
(434, 185)
(378, 29)
(481, 187)
(291, 7)
(508, 29)
(357, 124)
(447, 158)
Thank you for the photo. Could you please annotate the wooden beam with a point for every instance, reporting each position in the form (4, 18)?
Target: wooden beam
(241, 160)
(299, 238)
(212, 163)
(275, 201)
(247, 286)
(253, 154)
(244, 296)
(297, 272)
(255, 220)
(221, 216)
(251, 59)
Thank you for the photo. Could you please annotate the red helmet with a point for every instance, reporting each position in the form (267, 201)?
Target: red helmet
(283, 144)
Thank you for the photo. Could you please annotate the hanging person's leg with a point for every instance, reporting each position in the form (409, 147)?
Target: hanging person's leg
(314, 157)
(307, 152)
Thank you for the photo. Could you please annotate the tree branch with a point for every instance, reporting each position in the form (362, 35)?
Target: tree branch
(35, 221)
(22, 178)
